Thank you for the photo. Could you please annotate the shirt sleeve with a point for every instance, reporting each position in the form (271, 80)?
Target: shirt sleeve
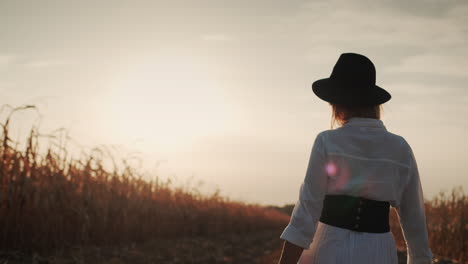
(413, 219)
(306, 213)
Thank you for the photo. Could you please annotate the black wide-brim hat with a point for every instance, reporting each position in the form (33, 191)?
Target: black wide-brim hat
(352, 83)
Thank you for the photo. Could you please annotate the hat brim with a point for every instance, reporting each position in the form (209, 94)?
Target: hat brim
(331, 91)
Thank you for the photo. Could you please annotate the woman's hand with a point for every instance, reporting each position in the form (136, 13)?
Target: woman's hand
(290, 254)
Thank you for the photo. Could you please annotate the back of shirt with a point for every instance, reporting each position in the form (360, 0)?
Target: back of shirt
(363, 159)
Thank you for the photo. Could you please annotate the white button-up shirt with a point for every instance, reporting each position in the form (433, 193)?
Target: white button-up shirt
(363, 159)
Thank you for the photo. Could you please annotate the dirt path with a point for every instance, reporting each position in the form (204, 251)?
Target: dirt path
(259, 248)
(233, 249)
(272, 258)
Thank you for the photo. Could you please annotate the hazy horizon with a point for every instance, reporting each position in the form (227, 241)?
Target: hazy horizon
(220, 91)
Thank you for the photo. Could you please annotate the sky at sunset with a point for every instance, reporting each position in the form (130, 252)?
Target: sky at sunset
(219, 92)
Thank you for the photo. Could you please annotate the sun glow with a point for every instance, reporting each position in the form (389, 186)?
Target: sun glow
(170, 102)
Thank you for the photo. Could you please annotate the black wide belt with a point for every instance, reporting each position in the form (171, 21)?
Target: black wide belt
(356, 213)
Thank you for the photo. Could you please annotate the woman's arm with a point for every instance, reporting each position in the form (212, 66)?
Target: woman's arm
(411, 213)
(290, 254)
(300, 231)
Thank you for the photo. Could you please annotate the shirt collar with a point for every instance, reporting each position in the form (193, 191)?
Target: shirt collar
(365, 122)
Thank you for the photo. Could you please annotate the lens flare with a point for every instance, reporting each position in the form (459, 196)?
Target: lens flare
(331, 169)
(339, 173)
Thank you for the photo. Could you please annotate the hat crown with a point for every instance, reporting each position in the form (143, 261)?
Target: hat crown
(354, 70)
(352, 82)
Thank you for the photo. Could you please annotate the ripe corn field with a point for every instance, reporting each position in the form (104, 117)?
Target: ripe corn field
(48, 202)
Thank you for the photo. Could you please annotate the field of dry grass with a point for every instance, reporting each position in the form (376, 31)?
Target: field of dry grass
(50, 203)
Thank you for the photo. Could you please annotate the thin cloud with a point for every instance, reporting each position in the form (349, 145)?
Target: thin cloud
(416, 89)
(432, 64)
(216, 37)
(6, 60)
(7, 84)
(343, 25)
(49, 63)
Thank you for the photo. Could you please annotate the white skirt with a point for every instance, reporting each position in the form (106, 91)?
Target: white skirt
(334, 245)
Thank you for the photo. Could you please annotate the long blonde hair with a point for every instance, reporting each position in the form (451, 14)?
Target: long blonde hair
(342, 113)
